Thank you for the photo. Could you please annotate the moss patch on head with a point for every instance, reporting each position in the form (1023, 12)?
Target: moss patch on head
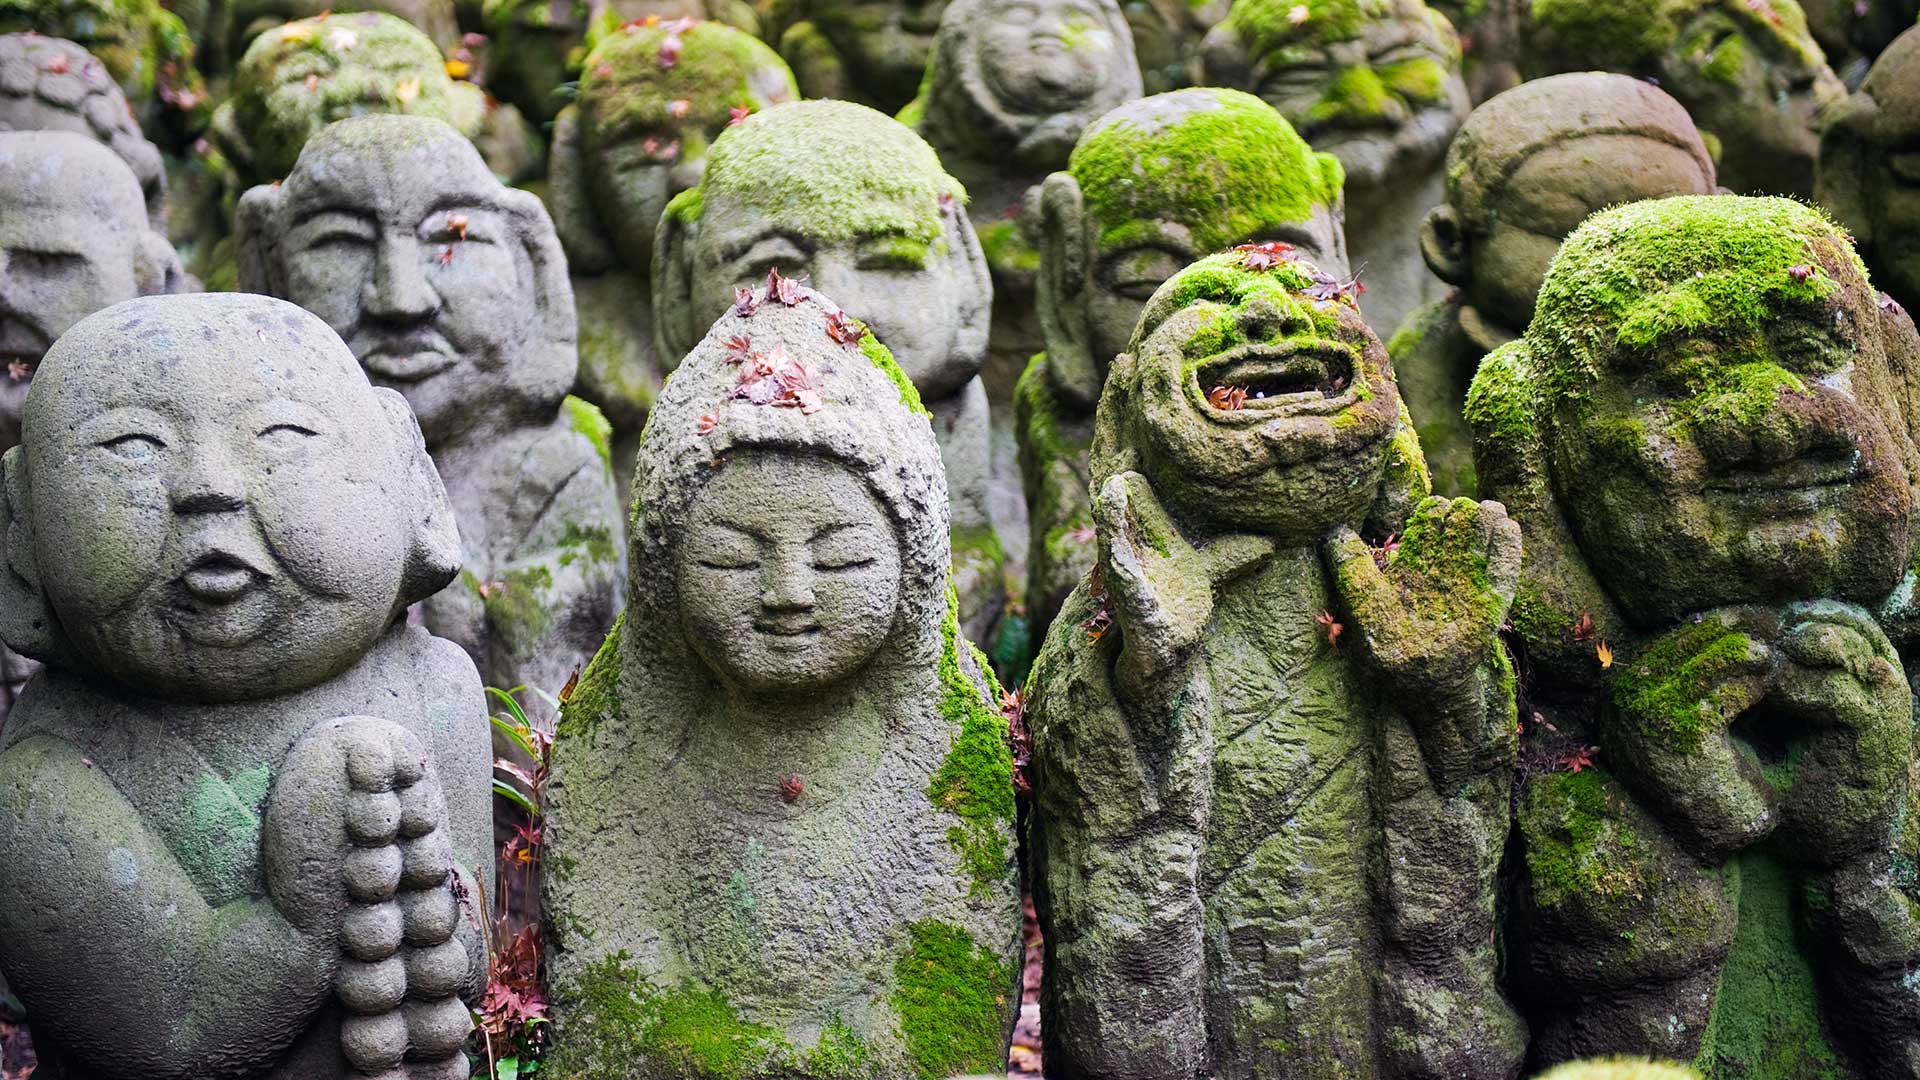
(1267, 25)
(1221, 162)
(587, 420)
(1631, 36)
(882, 180)
(144, 47)
(625, 89)
(617, 1020)
(1225, 278)
(975, 780)
(951, 996)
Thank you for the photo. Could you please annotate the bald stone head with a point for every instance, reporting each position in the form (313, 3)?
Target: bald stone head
(1532, 163)
(1156, 184)
(211, 503)
(47, 84)
(854, 200)
(449, 287)
(1870, 168)
(74, 238)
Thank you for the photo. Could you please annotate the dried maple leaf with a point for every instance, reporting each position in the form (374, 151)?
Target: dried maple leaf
(947, 203)
(1580, 757)
(792, 788)
(678, 108)
(457, 225)
(845, 329)
(1328, 288)
(1583, 629)
(745, 301)
(739, 347)
(56, 65)
(1227, 398)
(1605, 654)
(446, 255)
(705, 425)
(737, 115)
(1801, 272)
(19, 370)
(1097, 624)
(669, 55)
(566, 692)
(1889, 305)
(458, 69)
(788, 291)
(1384, 553)
(1334, 629)
(1013, 706)
(490, 589)
(1265, 256)
(1298, 14)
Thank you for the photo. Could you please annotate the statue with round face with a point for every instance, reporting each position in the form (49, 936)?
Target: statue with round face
(243, 801)
(244, 20)
(1748, 72)
(144, 46)
(1706, 434)
(1271, 762)
(874, 52)
(880, 227)
(781, 816)
(651, 99)
(1377, 84)
(452, 291)
(48, 84)
(1526, 169)
(1233, 171)
(1870, 167)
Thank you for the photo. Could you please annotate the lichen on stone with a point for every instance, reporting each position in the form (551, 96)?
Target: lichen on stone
(625, 87)
(951, 995)
(975, 780)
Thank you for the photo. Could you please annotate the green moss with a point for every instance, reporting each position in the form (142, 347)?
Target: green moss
(1580, 845)
(951, 996)
(1266, 26)
(839, 1055)
(882, 357)
(595, 540)
(597, 695)
(1682, 688)
(588, 420)
(616, 1022)
(975, 780)
(1536, 619)
(516, 604)
(625, 91)
(221, 820)
(143, 46)
(686, 207)
(1006, 250)
(1220, 162)
(1724, 63)
(1631, 36)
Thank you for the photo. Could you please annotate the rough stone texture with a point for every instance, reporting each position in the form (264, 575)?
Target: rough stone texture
(1868, 168)
(1705, 434)
(49, 84)
(1525, 170)
(651, 99)
(1256, 851)
(884, 231)
(1152, 186)
(1852, 34)
(780, 826)
(1377, 84)
(1747, 70)
(452, 290)
(239, 807)
(146, 48)
(874, 52)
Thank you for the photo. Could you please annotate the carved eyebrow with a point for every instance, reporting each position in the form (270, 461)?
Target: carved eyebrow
(832, 527)
(305, 214)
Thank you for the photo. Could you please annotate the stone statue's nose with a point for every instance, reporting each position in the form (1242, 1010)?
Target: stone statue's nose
(1262, 317)
(399, 290)
(788, 586)
(208, 486)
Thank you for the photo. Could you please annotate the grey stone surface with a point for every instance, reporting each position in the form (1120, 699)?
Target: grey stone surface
(873, 52)
(240, 808)
(1868, 168)
(1271, 763)
(780, 826)
(884, 230)
(51, 84)
(452, 290)
(1525, 170)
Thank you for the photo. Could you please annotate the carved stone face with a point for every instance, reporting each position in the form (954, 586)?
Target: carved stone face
(884, 44)
(1377, 85)
(1870, 167)
(251, 18)
(1737, 444)
(1304, 447)
(1044, 56)
(789, 573)
(218, 508)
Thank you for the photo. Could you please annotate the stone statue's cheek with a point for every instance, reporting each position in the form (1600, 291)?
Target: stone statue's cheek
(105, 542)
(333, 531)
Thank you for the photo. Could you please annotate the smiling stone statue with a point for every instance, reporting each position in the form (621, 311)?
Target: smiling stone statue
(241, 808)
(874, 52)
(47, 84)
(451, 289)
(780, 824)
(1271, 763)
(1706, 433)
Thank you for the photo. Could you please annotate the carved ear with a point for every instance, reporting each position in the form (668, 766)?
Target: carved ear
(552, 292)
(434, 556)
(1443, 246)
(1840, 182)
(675, 326)
(1062, 291)
(26, 618)
(975, 281)
(255, 237)
(570, 195)
(156, 266)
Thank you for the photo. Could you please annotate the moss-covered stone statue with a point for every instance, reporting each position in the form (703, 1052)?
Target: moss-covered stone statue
(1271, 762)
(1167, 36)
(874, 52)
(880, 227)
(1870, 168)
(1377, 84)
(49, 84)
(651, 99)
(1525, 170)
(1706, 434)
(1852, 33)
(780, 826)
(1223, 168)
(238, 22)
(244, 809)
(145, 47)
(1747, 70)
(452, 290)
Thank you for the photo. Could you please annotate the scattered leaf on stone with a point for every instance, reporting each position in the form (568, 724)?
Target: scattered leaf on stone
(670, 52)
(1298, 14)
(458, 69)
(566, 692)
(1329, 288)
(1583, 629)
(789, 291)
(947, 203)
(1605, 654)
(1266, 256)
(1889, 305)
(446, 255)
(1334, 629)
(1013, 706)
(792, 788)
(457, 225)
(737, 115)
(845, 329)
(56, 65)
(745, 301)
(1097, 624)
(407, 91)
(739, 347)
(678, 108)
(1801, 272)
(1580, 757)
(706, 424)
(1384, 553)
(1227, 398)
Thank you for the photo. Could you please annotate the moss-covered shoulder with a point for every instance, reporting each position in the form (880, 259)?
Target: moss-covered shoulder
(596, 697)
(975, 780)
(951, 997)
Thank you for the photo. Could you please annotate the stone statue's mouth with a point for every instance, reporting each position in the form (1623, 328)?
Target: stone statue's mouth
(1810, 472)
(220, 578)
(798, 630)
(408, 358)
(1258, 376)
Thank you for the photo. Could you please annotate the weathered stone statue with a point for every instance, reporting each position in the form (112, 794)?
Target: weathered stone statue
(1525, 170)
(1852, 33)
(651, 99)
(1489, 43)
(874, 52)
(1869, 168)
(1227, 170)
(49, 84)
(1271, 763)
(238, 22)
(1167, 36)
(244, 809)
(880, 227)
(452, 290)
(1377, 84)
(1747, 70)
(1706, 434)
(780, 825)
(145, 48)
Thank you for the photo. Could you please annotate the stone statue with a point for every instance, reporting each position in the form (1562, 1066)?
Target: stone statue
(1167, 36)
(1706, 434)
(878, 225)
(874, 52)
(1230, 170)
(144, 46)
(1852, 33)
(1270, 762)
(244, 809)
(49, 84)
(241, 21)
(1489, 43)
(1525, 170)
(1377, 84)
(1869, 168)
(1747, 71)
(452, 290)
(780, 826)
(651, 99)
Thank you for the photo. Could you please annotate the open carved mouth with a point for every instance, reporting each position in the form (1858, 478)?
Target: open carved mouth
(409, 358)
(1263, 376)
